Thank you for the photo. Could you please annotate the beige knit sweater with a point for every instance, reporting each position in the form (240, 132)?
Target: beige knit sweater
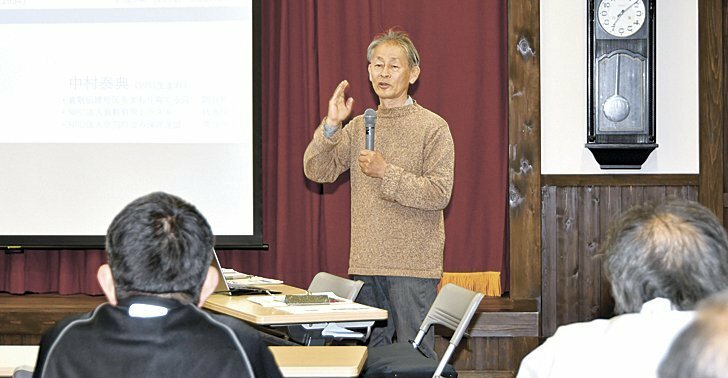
(397, 225)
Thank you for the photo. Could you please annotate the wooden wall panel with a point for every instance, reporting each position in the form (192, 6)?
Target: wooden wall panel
(724, 41)
(549, 262)
(574, 221)
(610, 205)
(24, 318)
(711, 81)
(588, 226)
(566, 269)
(524, 148)
(489, 356)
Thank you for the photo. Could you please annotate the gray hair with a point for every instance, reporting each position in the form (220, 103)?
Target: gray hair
(400, 38)
(700, 350)
(676, 250)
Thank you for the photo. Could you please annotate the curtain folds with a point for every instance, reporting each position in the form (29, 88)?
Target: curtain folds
(308, 47)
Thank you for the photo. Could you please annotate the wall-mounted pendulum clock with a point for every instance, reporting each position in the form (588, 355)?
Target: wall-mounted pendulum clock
(621, 130)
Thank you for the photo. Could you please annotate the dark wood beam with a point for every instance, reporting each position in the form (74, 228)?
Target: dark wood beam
(711, 103)
(524, 148)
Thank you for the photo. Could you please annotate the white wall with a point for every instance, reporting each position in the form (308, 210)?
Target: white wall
(563, 90)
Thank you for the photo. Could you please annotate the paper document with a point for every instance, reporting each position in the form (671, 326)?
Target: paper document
(232, 274)
(348, 307)
(256, 280)
(280, 301)
(248, 279)
(269, 300)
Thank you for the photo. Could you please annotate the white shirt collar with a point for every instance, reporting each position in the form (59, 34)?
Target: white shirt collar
(143, 310)
(657, 306)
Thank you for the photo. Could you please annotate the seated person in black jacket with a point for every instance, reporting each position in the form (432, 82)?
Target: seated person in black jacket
(158, 275)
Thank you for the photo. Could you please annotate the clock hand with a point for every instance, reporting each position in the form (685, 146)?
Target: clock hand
(622, 12)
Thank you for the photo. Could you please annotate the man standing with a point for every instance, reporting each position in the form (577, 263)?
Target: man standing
(160, 248)
(398, 191)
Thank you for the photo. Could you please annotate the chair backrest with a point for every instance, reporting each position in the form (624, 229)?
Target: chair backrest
(342, 287)
(23, 371)
(454, 307)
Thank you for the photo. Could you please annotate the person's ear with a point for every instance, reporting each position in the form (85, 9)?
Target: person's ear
(369, 69)
(414, 74)
(106, 280)
(208, 287)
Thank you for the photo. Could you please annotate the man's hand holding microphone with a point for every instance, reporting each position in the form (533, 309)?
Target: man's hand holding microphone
(371, 162)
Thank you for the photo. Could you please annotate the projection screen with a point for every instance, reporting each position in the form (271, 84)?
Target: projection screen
(103, 101)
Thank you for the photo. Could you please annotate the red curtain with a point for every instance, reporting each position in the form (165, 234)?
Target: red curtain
(65, 272)
(308, 47)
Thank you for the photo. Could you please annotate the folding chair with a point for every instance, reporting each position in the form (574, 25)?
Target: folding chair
(454, 307)
(342, 287)
(323, 333)
(23, 371)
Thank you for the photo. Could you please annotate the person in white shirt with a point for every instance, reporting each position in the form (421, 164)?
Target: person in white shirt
(701, 349)
(660, 260)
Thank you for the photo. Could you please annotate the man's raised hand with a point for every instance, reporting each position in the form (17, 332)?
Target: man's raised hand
(339, 105)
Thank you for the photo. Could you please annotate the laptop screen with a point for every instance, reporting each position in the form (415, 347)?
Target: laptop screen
(224, 287)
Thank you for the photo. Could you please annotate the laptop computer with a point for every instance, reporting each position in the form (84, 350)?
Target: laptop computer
(232, 288)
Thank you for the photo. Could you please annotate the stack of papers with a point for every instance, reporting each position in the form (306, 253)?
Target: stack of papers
(232, 274)
(349, 307)
(247, 279)
(280, 300)
(269, 300)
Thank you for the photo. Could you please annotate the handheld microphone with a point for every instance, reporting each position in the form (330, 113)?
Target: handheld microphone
(370, 118)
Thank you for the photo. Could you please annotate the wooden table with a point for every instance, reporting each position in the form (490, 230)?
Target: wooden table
(242, 308)
(320, 361)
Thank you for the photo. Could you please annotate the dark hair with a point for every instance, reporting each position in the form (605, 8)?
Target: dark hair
(676, 250)
(700, 350)
(159, 245)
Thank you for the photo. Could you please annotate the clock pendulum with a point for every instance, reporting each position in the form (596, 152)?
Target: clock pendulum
(616, 107)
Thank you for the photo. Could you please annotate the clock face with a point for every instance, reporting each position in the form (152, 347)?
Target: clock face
(621, 18)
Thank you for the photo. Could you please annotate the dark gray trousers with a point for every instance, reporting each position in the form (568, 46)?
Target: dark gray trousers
(407, 300)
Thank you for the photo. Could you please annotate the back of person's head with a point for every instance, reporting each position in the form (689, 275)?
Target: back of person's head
(701, 349)
(159, 245)
(676, 250)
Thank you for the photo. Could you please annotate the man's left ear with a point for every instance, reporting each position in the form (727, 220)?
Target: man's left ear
(106, 280)
(414, 74)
